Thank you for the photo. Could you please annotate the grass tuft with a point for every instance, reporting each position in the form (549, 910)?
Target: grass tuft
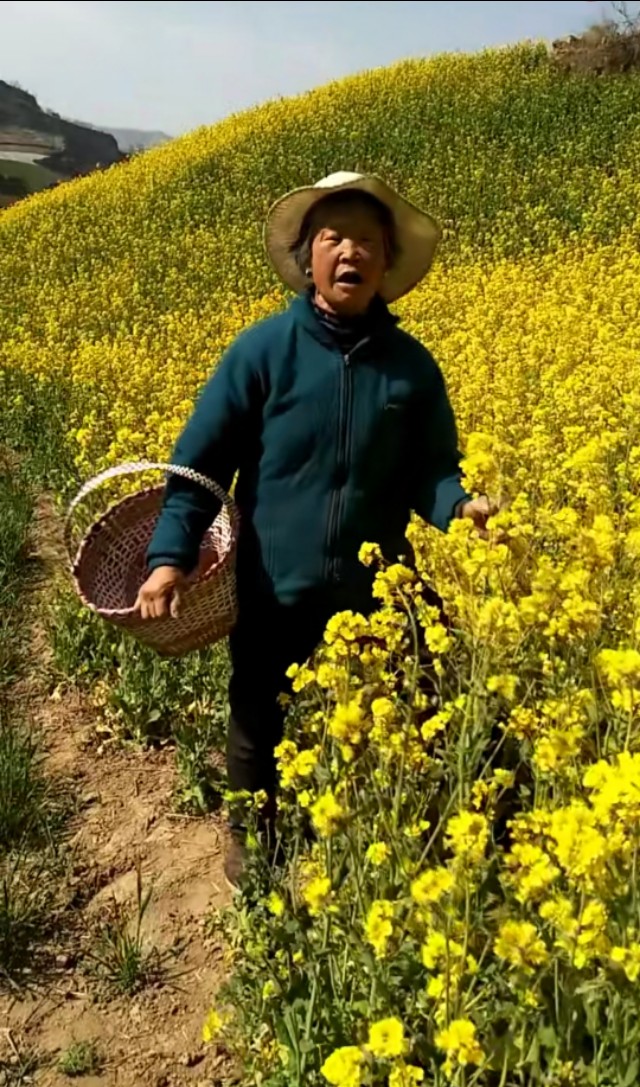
(27, 899)
(81, 1059)
(18, 1069)
(27, 802)
(123, 959)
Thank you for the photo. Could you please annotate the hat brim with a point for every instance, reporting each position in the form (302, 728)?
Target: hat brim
(417, 234)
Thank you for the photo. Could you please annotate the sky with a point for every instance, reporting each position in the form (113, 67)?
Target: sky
(176, 65)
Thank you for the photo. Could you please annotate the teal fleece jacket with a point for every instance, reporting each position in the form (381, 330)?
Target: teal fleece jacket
(331, 450)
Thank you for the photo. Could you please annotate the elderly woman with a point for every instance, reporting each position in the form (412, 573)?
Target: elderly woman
(338, 424)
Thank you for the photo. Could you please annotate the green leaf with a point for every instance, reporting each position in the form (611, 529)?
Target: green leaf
(632, 1074)
(548, 1037)
(533, 1056)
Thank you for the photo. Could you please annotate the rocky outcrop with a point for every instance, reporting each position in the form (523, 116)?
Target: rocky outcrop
(63, 147)
(602, 50)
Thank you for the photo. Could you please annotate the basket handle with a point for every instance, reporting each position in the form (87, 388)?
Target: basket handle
(132, 468)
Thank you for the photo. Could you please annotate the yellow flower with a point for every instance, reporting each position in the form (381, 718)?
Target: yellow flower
(275, 904)
(300, 676)
(379, 926)
(306, 762)
(523, 722)
(481, 792)
(327, 814)
(405, 1075)
(504, 685)
(504, 779)
(581, 936)
(615, 791)
(580, 846)
(293, 764)
(629, 959)
(378, 853)
(316, 894)
(459, 1042)
(386, 1038)
(347, 723)
(438, 949)
(532, 870)
(437, 986)
(382, 709)
(212, 1026)
(344, 1067)
(286, 752)
(369, 554)
(437, 639)
(520, 945)
(467, 837)
(557, 747)
(344, 629)
(437, 722)
(416, 830)
(396, 576)
(431, 886)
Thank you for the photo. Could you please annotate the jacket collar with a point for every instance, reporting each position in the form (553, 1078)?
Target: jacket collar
(378, 324)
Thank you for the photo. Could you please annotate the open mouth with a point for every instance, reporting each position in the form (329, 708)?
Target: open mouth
(349, 278)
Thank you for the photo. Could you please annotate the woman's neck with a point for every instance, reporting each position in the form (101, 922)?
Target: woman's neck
(332, 315)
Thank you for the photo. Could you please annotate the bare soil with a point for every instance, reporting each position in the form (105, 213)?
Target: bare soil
(123, 817)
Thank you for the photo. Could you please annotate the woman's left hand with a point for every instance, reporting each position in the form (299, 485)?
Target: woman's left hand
(479, 510)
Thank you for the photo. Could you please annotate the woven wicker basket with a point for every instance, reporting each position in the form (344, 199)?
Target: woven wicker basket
(110, 565)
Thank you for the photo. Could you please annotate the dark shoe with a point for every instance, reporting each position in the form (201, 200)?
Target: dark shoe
(236, 859)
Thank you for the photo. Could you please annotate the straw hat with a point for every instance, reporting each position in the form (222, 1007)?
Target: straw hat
(417, 234)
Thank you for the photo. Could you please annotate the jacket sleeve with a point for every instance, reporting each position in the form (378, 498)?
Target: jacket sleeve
(438, 488)
(212, 443)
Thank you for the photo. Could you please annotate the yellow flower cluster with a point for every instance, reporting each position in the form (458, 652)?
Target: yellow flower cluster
(345, 1067)
(379, 926)
(461, 1045)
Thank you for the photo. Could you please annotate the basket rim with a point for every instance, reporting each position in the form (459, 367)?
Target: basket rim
(217, 567)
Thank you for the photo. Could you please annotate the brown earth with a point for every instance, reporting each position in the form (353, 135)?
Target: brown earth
(124, 817)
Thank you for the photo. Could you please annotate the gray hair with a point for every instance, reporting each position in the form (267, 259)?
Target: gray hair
(312, 224)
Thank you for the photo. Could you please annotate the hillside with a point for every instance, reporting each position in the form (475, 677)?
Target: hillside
(163, 256)
(38, 148)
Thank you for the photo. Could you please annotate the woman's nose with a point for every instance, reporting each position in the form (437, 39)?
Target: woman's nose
(350, 249)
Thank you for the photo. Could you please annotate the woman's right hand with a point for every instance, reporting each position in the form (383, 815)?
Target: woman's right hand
(162, 593)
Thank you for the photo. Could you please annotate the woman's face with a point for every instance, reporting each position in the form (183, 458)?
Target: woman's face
(348, 258)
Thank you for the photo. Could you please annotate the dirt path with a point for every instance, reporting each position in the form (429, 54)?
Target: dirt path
(124, 817)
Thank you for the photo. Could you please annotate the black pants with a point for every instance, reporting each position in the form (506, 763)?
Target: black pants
(267, 639)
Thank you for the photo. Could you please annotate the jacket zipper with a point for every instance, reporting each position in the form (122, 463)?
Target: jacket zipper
(344, 445)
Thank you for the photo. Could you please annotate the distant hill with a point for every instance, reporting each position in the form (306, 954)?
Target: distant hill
(131, 139)
(134, 139)
(38, 147)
